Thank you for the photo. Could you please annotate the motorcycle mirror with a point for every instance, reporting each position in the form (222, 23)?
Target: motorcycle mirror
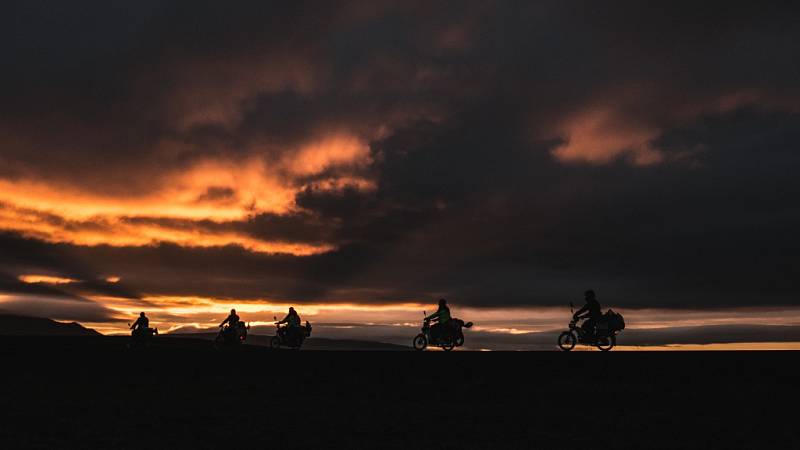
(424, 313)
(571, 305)
(275, 318)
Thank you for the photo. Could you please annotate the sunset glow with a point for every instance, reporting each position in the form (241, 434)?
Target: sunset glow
(363, 161)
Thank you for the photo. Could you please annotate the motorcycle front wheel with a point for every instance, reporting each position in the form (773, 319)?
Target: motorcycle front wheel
(275, 342)
(567, 341)
(460, 341)
(420, 342)
(448, 346)
(606, 343)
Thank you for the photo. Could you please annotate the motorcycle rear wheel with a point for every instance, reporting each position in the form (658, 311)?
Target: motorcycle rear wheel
(420, 342)
(275, 342)
(606, 343)
(460, 341)
(567, 341)
(449, 346)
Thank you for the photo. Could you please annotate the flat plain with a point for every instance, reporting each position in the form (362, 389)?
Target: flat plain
(92, 392)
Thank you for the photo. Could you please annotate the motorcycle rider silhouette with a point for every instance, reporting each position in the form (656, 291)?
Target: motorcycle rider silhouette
(446, 333)
(234, 333)
(232, 320)
(141, 324)
(141, 331)
(293, 334)
(441, 317)
(591, 310)
(599, 330)
(233, 329)
(292, 321)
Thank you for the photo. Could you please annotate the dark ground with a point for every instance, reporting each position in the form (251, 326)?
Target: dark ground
(89, 392)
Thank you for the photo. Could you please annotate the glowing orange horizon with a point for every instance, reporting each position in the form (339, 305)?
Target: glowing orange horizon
(205, 312)
(727, 346)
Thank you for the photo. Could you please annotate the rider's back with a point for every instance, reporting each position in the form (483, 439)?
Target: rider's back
(594, 308)
(142, 323)
(443, 314)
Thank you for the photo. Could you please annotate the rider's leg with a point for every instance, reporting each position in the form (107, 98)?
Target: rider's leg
(436, 331)
(588, 327)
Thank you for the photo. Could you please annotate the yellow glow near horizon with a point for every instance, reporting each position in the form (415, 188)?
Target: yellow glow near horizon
(728, 346)
(170, 313)
(198, 305)
(496, 320)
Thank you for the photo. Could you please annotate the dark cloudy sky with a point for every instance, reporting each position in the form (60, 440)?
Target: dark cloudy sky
(171, 155)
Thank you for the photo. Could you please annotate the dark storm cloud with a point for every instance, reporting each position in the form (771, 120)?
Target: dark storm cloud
(300, 227)
(521, 152)
(41, 300)
(22, 256)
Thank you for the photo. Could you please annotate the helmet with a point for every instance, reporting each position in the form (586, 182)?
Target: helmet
(291, 309)
(442, 302)
(233, 311)
(141, 314)
(589, 294)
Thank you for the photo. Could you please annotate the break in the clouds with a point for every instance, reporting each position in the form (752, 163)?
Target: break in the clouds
(495, 153)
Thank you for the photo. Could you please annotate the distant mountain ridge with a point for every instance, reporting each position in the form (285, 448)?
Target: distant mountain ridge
(14, 325)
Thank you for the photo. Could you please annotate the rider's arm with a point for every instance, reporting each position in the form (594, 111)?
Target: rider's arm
(581, 311)
(225, 321)
(433, 316)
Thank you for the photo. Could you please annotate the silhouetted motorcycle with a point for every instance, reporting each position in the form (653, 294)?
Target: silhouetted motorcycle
(452, 337)
(285, 337)
(229, 336)
(604, 338)
(141, 337)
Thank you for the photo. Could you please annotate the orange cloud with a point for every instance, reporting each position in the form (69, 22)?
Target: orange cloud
(614, 126)
(115, 231)
(46, 279)
(331, 151)
(212, 189)
(601, 134)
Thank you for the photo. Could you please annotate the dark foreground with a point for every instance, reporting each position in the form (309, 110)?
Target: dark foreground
(91, 393)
